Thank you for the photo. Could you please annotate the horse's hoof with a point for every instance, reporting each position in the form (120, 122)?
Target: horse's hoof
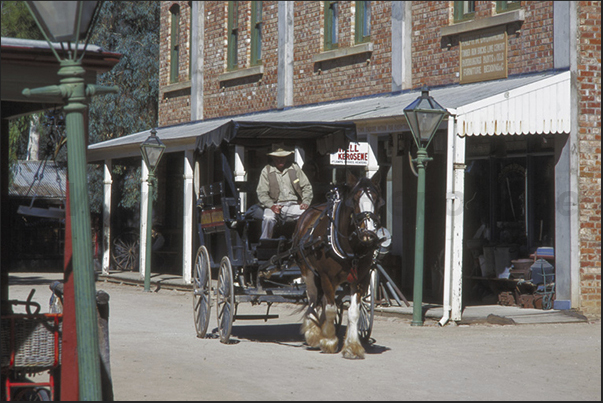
(312, 334)
(329, 346)
(353, 352)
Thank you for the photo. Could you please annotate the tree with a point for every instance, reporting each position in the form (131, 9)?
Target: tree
(128, 28)
(17, 22)
(131, 29)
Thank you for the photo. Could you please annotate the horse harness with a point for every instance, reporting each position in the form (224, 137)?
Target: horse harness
(333, 213)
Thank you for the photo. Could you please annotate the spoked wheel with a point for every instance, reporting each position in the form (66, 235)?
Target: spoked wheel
(202, 291)
(125, 251)
(367, 308)
(225, 300)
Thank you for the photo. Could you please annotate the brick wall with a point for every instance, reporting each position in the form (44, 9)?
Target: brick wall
(174, 102)
(341, 78)
(589, 89)
(434, 63)
(224, 98)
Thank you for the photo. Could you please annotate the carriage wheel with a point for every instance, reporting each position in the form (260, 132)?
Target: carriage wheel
(125, 251)
(367, 308)
(202, 291)
(225, 300)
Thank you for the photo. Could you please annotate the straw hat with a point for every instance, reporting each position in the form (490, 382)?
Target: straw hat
(279, 150)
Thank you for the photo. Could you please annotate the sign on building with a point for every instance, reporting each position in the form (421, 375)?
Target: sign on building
(357, 154)
(483, 55)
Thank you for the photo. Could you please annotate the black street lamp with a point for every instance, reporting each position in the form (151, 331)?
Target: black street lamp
(152, 150)
(69, 22)
(424, 116)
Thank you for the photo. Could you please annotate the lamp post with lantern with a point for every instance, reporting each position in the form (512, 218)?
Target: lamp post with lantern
(67, 23)
(424, 116)
(152, 149)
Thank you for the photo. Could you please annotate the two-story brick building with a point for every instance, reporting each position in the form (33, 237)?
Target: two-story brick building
(516, 165)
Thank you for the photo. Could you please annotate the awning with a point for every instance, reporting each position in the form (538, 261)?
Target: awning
(537, 108)
(330, 136)
(526, 104)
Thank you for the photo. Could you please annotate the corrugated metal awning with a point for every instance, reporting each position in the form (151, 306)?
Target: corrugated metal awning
(537, 108)
(533, 103)
(34, 179)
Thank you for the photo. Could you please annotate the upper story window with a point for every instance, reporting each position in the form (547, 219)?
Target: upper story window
(233, 35)
(331, 25)
(256, 33)
(464, 10)
(174, 42)
(502, 6)
(363, 21)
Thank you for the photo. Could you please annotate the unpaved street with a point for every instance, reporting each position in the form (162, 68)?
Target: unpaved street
(155, 355)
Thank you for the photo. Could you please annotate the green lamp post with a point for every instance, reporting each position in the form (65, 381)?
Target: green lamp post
(68, 22)
(152, 150)
(424, 116)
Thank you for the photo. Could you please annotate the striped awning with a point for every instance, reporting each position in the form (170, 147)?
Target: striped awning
(537, 108)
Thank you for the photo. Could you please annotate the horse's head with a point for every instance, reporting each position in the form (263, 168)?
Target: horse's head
(365, 200)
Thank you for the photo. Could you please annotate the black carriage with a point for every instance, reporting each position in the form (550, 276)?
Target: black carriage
(232, 265)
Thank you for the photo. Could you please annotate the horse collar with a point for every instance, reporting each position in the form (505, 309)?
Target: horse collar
(332, 232)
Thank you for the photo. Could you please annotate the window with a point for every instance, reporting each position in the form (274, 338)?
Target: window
(363, 21)
(174, 43)
(233, 35)
(331, 25)
(502, 6)
(464, 10)
(256, 33)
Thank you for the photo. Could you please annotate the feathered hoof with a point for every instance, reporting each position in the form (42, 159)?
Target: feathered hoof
(353, 351)
(312, 333)
(329, 346)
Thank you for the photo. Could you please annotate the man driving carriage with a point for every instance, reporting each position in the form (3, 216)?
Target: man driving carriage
(283, 190)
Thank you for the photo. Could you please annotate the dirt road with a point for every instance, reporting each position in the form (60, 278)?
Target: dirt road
(155, 355)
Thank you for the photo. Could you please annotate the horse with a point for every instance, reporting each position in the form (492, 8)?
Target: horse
(336, 242)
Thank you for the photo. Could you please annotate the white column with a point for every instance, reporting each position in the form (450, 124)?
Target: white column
(284, 90)
(197, 30)
(240, 175)
(144, 206)
(107, 217)
(187, 226)
(401, 45)
(457, 214)
(373, 164)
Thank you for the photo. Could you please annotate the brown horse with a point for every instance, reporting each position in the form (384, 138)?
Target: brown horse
(335, 242)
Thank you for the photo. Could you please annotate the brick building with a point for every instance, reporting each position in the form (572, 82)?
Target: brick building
(518, 162)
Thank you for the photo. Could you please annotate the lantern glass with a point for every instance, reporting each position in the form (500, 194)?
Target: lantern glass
(424, 116)
(64, 21)
(152, 151)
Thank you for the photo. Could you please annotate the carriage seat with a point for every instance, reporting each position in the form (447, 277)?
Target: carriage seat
(283, 228)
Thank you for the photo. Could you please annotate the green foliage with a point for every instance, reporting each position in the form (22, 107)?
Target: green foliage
(17, 22)
(128, 28)
(50, 127)
(95, 181)
(130, 197)
(131, 29)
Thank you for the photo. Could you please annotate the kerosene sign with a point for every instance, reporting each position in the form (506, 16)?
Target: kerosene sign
(357, 154)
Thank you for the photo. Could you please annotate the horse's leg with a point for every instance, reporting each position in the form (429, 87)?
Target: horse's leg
(352, 348)
(329, 341)
(311, 323)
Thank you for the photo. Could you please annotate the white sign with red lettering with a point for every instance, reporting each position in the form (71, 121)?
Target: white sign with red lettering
(357, 154)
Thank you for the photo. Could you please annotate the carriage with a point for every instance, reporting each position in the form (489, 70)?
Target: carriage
(232, 265)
